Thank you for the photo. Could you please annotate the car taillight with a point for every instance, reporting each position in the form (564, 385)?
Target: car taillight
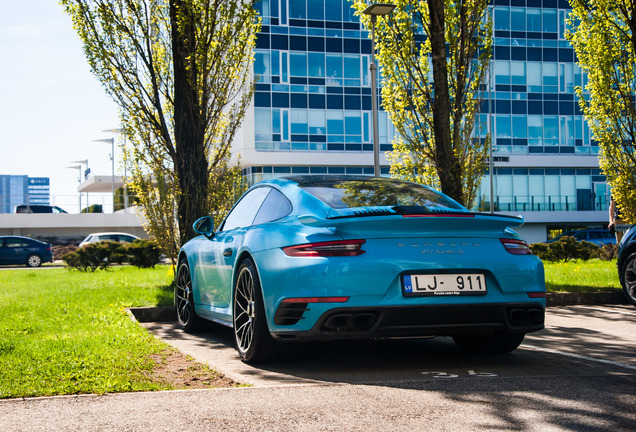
(338, 248)
(516, 247)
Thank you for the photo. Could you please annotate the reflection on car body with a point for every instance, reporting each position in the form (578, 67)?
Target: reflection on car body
(626, 264)
(336, 257)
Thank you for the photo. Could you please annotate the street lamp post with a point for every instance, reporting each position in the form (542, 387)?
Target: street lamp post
(375, 10)
(82, 177)
(121, 132)
(112, 159)
(79, 179)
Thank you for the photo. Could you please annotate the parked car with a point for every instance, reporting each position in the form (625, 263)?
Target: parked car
(626, 264)
(38, 209)
(341, 257)
(24, 250)
(599, 237)
(109, 236)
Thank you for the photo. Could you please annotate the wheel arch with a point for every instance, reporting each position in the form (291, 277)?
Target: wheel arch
(631, 249)
(244, 255)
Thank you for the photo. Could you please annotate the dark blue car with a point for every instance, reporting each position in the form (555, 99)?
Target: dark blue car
(24, 250)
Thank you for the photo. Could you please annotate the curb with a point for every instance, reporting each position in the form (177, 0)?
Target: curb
(592, 298)
(154, 314)
(168, 314)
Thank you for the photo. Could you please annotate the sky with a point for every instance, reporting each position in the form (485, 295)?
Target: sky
(51, 106)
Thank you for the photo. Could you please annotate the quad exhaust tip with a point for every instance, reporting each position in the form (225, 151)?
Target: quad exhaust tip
(345, 322)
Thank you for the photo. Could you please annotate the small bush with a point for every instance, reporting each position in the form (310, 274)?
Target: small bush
(608, 252)
(141, 253)
(567, 248)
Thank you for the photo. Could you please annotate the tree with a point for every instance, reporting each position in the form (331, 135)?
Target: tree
(603, 33)
(179, 71)
(434, 56)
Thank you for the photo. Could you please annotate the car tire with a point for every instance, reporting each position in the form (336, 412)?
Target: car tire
(183, 299)
(491, 343)
(628, 278)
(253, 341)
(34, 260)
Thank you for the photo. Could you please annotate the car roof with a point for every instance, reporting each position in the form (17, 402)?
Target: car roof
(20, 237)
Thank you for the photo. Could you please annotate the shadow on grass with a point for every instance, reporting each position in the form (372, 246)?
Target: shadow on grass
(165, 296)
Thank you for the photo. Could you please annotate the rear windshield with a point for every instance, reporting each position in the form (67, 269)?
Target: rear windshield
(374, 192)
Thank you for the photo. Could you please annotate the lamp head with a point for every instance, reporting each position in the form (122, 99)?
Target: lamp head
(379, 9)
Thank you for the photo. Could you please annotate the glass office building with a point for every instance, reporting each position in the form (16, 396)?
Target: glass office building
(21, 189)
(312, 108)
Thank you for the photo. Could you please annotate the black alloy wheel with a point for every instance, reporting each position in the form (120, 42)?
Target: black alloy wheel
(628, 278)
(183, 299)
(254, 343)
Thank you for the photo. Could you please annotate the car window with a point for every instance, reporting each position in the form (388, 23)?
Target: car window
(15, 243)
(580, 235)
(126, 239)
(595, 234)
(275, 206)
(109, 237)
(245, 210)
(339, 194)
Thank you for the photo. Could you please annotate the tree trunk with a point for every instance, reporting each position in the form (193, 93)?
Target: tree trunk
(448, 168)
(191, 164)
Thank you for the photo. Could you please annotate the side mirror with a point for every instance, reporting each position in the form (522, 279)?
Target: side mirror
(204, 225)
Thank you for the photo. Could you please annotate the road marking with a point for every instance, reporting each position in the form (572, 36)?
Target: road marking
(580, 357)
(610, 310)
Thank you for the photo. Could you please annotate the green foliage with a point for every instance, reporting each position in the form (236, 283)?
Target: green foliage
(180, 72)
(143, 253)
(608, 252)
(581, 276)
(93, 208)
(602, 33)
(428, 149)
(567, 248)
(120, 199)
(68, 333)
(101, 255)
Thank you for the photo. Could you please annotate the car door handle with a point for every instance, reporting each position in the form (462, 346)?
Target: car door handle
(227, 252)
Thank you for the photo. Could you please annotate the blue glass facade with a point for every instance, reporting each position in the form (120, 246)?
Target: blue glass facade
(21, 189)
(313, 97)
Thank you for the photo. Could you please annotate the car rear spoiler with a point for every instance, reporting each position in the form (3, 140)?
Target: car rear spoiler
(466, 223)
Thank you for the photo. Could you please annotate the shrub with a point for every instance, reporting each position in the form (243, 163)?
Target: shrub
(141, 253)
(608, 252)
(567, 248)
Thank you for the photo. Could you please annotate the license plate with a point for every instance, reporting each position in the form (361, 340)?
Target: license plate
(444, 284)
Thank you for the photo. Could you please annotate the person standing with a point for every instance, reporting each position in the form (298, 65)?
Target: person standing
(615, 220)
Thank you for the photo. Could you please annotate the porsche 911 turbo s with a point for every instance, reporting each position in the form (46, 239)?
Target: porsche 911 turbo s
(336, 257)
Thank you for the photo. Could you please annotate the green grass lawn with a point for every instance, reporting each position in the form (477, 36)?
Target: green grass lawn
(581, 276)
(67, 332)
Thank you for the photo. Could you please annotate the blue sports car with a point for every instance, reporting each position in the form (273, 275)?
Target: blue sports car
(335, 257)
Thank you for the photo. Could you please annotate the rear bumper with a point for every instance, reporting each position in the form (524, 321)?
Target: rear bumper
(422, 320)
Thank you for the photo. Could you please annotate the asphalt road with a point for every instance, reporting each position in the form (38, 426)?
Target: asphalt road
(579, 374)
